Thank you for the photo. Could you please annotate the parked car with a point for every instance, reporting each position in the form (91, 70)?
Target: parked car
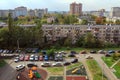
(93, 51)
(21, 58)
(60, 58)
(101, 51)
(83, 52)
(20, 67)
(7, 51)
(107, 55)
(88, 57)
(57, 64)
(31, 65)
(118, 51)
(66, 63)
(26, 58)
(4, 51)
(56, 58)
(73, 52)
(32, 57)
(11, 51)
(1, 51)
(46, 64)
(16, 59)
(111, 51)
(17, 51)
(74, 60)
(46, 58)
(71, 55)
(41, 58)
(63, 52)
(36, 57)
(51, 58)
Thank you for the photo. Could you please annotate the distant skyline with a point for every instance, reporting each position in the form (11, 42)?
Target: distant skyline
(60, 5)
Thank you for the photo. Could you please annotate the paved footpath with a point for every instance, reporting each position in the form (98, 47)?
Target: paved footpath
(107, 71)
(82, 59)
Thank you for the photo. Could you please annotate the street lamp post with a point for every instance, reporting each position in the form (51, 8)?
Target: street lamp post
(102, 70)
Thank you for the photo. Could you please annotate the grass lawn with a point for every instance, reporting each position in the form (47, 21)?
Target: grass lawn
(56, 78)
(110, 62)
(2, 63)
(55, 70)
(95, 70)
(78, 49)
(73, 65)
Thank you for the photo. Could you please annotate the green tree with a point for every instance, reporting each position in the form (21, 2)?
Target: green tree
(80, 41)
(39, 34)
(117, 22)
(10, 22)
(84, 22)
(68, 42)
(89, 40)
(51, 52)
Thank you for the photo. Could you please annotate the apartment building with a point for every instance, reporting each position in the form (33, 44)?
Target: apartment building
(115, 12)
(20, 11)
(39, 12)
(31, 13)
(76, 9)
(23, 11)
(4, 13)
(106, 33)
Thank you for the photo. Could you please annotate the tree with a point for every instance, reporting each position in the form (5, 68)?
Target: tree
(4, 37)
(80, 41)
(68, 42)
(51, 52)
(98, 20)
(84, 22)
(89, 40)
(39, 34)
(10, 22)
(117, 22)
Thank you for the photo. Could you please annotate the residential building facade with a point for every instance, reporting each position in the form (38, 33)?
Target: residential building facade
(4, 13)
(76, 9)
(31, 13)
(105, 33)
(39, 12)
(20, 11)
(115, 12)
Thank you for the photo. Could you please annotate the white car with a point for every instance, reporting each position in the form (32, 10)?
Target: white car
(16, 59)
(20, 67)
(57, 64)
(88, 57)
(46, 64)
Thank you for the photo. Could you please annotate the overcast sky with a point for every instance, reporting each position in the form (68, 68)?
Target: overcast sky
(59, 5)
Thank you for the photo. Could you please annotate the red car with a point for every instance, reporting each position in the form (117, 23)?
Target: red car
(21, 58)
(26, 58)
(83, 52)
(41, 58)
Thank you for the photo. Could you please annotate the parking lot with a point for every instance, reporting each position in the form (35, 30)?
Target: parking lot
(24, 59)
